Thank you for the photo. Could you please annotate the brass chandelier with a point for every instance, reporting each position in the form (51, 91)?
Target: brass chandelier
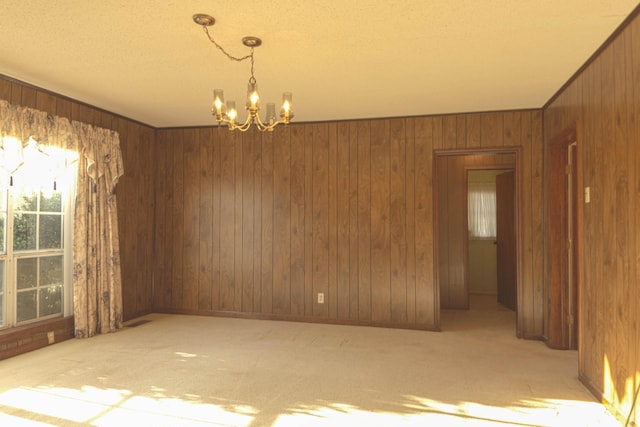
(227, 113)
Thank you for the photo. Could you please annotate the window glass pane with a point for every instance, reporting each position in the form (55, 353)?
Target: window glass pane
(51, 272)
(50, 231)
(24, 232)
(26, 202)
(50, 300)
(27, 272)
(52, 203)
(26, 306)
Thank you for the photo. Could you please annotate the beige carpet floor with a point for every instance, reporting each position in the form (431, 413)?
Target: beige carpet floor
(206, 371)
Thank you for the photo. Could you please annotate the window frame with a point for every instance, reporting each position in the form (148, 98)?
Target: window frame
(8, 280)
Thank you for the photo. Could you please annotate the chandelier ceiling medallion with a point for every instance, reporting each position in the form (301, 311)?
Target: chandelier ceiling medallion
(227, 114)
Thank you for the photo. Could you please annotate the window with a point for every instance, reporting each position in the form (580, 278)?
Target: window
(481, 206)
(35, 241)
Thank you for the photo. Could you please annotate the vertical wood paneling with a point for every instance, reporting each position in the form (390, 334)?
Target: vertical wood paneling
(216, 239)
(160, 267)
(205, 219)
(512, 128)
(537, 177)
(609, 218)
(227, 221)
(443, 177)
(474, 131)
(491, 129)
(256, 293)
(342, 207)
(309, 297)
(525, 298)
(457, 230)
(597, 207)
(380, 213)
(177, 281)
(411, 221)
(449, 132)
(28, 99)
(5, 90)
(248, 214)
(16, 94)
(266, 285)
(397, 221)
(191, 223)
(332, 290)
(635, 83)
(128, 254)
(622, 358)
(146, 203)
(239, 181)
(461, 131)
(281, 225)
(47, 102)
(320, 217)
(297, 221)
(588, 360)
(364, 221)
(354, 271)
(427, 311)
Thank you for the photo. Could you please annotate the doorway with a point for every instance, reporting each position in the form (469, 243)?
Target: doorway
(451, 226)
(491, 237)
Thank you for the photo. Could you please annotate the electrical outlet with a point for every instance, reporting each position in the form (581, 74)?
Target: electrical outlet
(320, 298)
(51, 337)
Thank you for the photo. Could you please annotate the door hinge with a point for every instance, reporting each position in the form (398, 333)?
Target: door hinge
(567, 169)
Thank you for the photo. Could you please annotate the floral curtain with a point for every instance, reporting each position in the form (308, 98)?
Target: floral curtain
(97, 281)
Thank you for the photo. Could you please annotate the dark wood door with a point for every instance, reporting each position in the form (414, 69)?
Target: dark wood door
(563, 244)
(506, 239)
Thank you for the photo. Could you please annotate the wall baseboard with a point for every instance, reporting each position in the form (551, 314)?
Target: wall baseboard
(22, 339)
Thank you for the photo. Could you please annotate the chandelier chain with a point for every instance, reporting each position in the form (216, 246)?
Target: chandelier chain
(228, 55)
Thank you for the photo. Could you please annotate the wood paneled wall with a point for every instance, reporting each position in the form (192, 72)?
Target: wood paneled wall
(603, 101)
(134, 190)
(258, 224)
(451, 180)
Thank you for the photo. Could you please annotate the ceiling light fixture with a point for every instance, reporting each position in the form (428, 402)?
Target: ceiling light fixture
(227, 114)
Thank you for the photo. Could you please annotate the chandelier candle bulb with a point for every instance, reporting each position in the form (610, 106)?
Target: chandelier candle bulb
(218, 102)
(253, 98)
(271, 113)
(286, 112)
(232, 113)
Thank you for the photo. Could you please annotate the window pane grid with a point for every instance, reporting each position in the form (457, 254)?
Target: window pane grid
(32, 238)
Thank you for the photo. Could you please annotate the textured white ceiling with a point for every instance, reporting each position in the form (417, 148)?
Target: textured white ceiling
(148, 61)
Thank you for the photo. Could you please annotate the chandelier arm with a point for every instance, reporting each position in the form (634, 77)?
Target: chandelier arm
(264, 126)
(246, 125)
(239, 59)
